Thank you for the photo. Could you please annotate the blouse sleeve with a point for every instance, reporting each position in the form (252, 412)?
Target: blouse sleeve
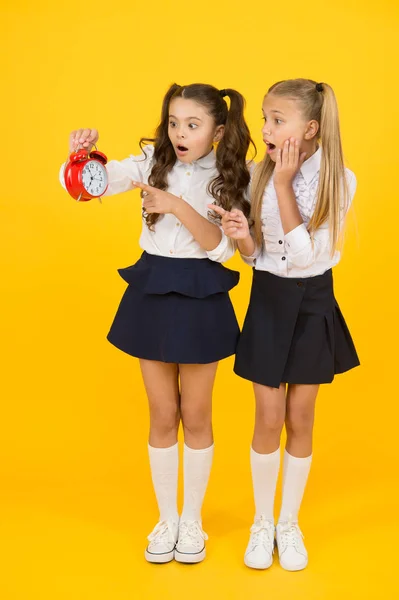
(223, 251)
(304, 250)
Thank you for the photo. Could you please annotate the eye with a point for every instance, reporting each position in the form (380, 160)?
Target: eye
(264, 119)
(193, 125)
(278, 121)
(172, 124)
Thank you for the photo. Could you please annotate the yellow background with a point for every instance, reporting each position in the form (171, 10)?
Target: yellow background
(76, 501)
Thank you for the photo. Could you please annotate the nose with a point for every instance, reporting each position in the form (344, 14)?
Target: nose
(180, 134)
(266, 129)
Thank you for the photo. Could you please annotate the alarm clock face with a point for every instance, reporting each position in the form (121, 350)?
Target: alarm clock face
(94, 178)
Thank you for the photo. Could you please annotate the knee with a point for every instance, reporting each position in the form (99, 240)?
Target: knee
(299, 422)
(165, 421)
(270, 421)
(196, 422)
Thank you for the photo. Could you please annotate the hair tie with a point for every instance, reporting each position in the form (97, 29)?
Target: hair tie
(319, 87)
(223, 93)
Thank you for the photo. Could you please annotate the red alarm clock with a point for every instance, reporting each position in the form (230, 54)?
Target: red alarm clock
(85, 174)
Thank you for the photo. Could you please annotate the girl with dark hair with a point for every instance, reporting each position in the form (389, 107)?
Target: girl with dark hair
(176, 315)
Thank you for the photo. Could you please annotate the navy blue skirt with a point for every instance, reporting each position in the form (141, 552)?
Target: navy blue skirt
(294, 332)
(176, 310)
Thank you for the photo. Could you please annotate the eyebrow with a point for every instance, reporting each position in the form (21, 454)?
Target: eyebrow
(188, 118)
(274, 111)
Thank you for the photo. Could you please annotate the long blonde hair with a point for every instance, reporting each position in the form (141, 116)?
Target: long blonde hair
(317, 102)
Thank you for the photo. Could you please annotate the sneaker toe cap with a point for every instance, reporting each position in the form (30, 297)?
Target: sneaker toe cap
(293, 560)
(189, 549)
(160, 548)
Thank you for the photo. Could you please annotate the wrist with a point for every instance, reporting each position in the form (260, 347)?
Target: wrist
(246, 245)
(283, 185)
(247, 240)
(177, 204)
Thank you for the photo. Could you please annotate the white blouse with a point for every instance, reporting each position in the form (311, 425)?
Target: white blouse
(295, 254)
(189, 181)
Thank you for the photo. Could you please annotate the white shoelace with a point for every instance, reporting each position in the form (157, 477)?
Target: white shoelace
(162, 534)
(262, 534)
(291, 535)
(191, 534)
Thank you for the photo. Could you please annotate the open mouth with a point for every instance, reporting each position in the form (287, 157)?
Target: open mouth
(270, 147)
(182, 148)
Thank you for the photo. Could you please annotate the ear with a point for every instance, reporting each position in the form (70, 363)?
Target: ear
(311, 130)
(219, 132)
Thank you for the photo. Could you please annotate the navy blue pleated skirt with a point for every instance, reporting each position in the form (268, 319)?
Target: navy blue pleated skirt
(176, 310)
(294, 332)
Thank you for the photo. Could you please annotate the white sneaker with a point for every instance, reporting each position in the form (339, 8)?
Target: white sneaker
(291, 549)
(190, 547)
(161, 548)
(259, 552)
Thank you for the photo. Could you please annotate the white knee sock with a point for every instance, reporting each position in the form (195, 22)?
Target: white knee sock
(295, 476)
(197, 468)
(265, 468)
(164, 463)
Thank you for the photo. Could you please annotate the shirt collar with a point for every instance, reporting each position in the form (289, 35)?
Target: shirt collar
(311, 166)
(206, 162)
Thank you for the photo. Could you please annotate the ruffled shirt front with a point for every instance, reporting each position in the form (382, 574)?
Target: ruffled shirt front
(296, 254)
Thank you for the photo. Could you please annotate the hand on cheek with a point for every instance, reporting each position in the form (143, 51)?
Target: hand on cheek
(288, 162)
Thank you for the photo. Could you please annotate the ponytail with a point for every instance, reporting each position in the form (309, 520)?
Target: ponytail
(332, 196)
(230, 187)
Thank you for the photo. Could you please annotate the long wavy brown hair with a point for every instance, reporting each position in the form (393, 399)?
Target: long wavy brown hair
(229, 187)
(332, 194)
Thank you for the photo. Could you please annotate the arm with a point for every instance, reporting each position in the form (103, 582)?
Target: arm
(247, 247)
(209, 235)
(121, 174)
(235, 226)
(303, 250)
(288, 164)
(289, 211)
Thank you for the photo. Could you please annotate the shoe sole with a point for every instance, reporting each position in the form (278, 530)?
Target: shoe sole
(159, 558)
(184, 557)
